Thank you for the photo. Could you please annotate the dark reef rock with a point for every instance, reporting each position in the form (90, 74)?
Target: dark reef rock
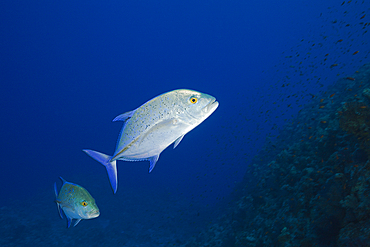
(313, 191)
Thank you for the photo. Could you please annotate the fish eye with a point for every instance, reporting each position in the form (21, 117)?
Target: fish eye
(84, 203)
(193, 100)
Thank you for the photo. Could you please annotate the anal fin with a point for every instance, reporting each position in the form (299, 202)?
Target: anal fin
(177, 142)
(69, 220)
(153, 160)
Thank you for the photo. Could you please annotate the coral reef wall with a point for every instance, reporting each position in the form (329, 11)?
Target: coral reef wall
(313, 182)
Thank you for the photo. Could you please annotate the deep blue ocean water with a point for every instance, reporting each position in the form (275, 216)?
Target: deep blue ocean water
(68, 68)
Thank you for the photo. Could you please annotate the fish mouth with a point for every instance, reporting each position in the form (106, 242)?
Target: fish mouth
(94, 214)
(211, 106)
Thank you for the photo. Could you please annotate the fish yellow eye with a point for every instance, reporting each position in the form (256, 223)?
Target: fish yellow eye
(84, 204)
(193, 100)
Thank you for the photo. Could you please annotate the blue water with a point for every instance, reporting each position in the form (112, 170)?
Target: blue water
(68, 68)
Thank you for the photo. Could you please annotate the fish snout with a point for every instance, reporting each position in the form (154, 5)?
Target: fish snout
(211, 106)
(94, 213)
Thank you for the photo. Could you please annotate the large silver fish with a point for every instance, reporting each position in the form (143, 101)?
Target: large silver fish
(155, 125)
(76, 202)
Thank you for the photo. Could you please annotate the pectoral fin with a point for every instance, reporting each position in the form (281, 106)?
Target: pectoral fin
(161, 125)
(77, 221)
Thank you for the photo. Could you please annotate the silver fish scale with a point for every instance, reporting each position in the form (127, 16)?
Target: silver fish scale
(147, 116)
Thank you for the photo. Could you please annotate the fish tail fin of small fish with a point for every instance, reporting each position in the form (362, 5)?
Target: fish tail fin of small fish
(109, 165)
(57, 202)
(55, 190)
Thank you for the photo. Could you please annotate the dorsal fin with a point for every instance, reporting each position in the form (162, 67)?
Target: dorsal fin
(124, 116)
(63, 180)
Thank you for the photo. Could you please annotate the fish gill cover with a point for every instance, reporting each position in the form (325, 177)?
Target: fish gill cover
(283, 161)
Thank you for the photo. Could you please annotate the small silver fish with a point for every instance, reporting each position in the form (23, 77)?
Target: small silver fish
(155, 125)
(76, 202)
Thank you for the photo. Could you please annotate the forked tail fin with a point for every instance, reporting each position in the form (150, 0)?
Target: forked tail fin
(57, 201)
(110, 165)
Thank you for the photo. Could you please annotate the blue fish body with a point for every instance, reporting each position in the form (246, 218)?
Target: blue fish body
(76, 202)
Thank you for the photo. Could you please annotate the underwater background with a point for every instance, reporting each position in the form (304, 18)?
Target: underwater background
(283, 161)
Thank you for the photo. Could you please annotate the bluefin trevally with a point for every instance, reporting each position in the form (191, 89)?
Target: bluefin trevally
(76, 202)
(155, 125)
